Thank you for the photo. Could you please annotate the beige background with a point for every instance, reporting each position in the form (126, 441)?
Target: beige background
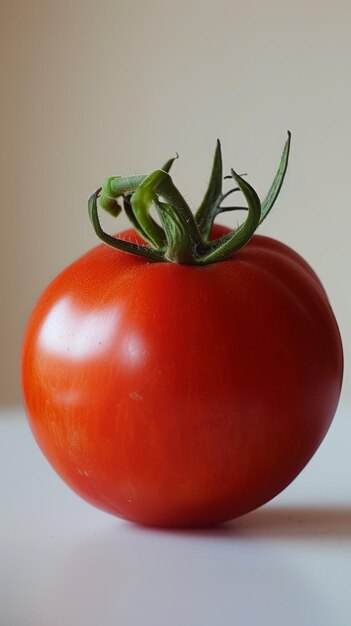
(91, 89)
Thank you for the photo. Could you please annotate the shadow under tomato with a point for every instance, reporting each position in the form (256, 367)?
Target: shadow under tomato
(284, 522)
(293, 522)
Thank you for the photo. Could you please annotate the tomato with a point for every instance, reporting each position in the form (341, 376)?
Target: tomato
(176, 395)
(184, 374)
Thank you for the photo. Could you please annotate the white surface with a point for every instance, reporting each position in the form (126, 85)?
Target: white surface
(64, 563)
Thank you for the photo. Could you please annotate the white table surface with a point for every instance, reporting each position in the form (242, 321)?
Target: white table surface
(64, 563)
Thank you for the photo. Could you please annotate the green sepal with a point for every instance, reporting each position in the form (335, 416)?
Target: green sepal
(130, 214)
(167, 166)
(276, 185)
(206, 212)
(225, 246)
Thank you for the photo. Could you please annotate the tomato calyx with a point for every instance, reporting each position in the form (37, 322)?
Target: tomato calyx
(183, 236)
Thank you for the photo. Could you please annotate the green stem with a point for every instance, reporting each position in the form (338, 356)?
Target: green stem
(116, 187)
(182, 232)
(115, 242)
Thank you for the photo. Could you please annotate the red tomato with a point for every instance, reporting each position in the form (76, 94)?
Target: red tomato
(176, 395)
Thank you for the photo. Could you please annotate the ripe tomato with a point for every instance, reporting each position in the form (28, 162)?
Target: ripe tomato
(177, 395)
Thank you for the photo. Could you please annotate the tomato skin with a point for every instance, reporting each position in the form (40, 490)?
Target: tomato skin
(175, 395)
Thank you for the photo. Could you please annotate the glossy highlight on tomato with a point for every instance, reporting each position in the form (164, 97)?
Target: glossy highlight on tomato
(184, 374)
